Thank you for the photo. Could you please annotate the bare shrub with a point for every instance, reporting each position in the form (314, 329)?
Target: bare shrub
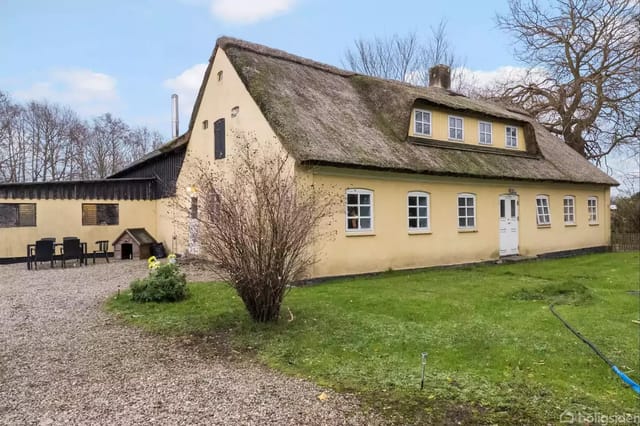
(257, 225)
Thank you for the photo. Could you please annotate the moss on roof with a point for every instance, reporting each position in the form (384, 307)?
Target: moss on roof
(330, 116)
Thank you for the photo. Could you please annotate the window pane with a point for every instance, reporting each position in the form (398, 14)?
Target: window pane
(461, 202)
(365, 211)
(461, 211)
(471, 222)
(461, 222)
(419, 128)
(8, 215)
(365, 223)
(502, 209)
(423, 223)
(365, 199)
(413, 211)
(352, 198)
(513, 208)
(352, 211)
(470, 201)
(352, 224)
(412, 201)
(422, 201)
(413, 223)
(422, 211)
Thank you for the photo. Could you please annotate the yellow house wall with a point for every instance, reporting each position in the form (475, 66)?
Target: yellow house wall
(62, 218)
(471, 129)
(391, 245)
(218, 100)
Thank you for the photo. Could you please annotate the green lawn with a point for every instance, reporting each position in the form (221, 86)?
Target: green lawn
(496, 353)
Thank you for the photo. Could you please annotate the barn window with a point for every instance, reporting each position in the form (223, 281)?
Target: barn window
(14, 215)
(543, 215)
(359, 214)
(100, 214)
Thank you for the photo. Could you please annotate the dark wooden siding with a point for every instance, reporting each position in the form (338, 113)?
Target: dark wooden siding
(112, 189)
(164, 167)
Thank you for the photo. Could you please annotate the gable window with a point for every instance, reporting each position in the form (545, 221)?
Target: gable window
(218, 139)
(592, 210)
(511, 137)
(569, 210)
(359, 213)
(100, 214)
(456, 125)
(418, 211)
(485, 133)
(13, 215)
(422, 122)
(543, 217)
(466, 211)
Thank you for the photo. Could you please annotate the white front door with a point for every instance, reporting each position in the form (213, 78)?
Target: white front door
(508, 225)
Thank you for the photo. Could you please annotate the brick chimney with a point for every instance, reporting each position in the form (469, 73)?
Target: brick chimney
(440, 76)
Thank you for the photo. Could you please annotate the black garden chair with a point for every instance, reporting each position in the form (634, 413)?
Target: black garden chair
(101, 250)
(72, 249)
(43, 252)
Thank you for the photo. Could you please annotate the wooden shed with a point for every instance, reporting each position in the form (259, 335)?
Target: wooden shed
(133, 243)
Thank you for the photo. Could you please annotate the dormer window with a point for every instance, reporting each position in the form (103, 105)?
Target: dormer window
(485, 133)
(456, 128)
(422, 122)
(512, 137)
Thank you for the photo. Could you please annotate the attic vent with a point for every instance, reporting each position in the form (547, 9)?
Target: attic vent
(440, 76)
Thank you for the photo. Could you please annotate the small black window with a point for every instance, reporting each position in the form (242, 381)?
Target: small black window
(15, 215)
(205, 124)
(100, 214)
(218, 139)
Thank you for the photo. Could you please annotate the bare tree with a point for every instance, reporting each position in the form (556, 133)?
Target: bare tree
(405, 58)
(257, 226)
(584, 57)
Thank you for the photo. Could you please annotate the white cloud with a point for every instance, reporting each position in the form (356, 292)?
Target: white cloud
(85, 91)
(186, 86)
(249, 11)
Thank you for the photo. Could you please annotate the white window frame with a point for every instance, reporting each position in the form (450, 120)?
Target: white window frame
(418, 216)
(482, 133)
(508, 137)
(357, 206)
(543, 210)
(592, 210)
(423, 122)
(461, 128)
(569, 209)
(466, 196)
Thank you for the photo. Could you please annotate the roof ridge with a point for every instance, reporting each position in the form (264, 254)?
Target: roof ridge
(261, 49)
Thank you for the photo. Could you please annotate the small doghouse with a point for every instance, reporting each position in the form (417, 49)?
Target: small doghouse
(133, 243)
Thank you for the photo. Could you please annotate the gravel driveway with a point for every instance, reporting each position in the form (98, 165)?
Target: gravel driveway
(65, 361)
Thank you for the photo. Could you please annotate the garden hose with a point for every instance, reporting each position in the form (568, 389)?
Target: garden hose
(633, 385)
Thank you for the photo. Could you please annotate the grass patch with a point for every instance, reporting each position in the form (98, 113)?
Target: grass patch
(496, 353)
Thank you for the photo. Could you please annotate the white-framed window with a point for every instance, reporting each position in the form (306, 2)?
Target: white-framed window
(466, 211)
(359, 211)
(422, 122)
(543, 216)
(569, 205)
(418, 211)
(511, 134)
(456, 128)
(592, 209)
(485, 133)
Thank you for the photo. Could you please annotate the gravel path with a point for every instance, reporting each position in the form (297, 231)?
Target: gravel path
(65, 361)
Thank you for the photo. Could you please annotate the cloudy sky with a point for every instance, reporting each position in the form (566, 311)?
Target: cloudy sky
(127, 57)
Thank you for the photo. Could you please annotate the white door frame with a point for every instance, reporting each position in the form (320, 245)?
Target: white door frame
(508, 228)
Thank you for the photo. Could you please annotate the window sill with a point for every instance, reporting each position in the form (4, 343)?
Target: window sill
(512, 147)
(570, 225)
(360, 234)
(456, 140)
(594, 224)
(422, 135)
(419, 232)
(544, 226)
(467, 231)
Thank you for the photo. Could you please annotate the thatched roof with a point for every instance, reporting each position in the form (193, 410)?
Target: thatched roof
(324, 115)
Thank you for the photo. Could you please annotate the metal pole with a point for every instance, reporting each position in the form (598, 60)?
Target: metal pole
(424, 364)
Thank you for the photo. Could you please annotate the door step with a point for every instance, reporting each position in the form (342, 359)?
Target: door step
(515, 258)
